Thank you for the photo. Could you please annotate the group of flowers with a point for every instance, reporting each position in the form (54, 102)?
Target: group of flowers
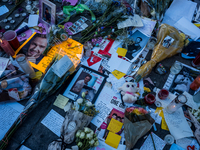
(136, 110)
(85, 106)
(86, 138)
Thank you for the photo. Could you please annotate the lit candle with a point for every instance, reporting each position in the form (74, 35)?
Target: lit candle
(25, 65)
(6, 47)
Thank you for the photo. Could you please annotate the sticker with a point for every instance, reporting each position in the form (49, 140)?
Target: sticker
(167, 41)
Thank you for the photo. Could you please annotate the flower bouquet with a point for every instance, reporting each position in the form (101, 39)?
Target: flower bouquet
(78, 116)
(86, 139)
(137, 122)
(169, 43)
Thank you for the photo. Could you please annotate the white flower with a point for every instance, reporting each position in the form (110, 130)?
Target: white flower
(82, 135)
(91, 132)
(96, 143)
(88, 104)
(91, 142)
(80, 144)
(89, 136)
(87, 130)
(96, 138)
(83, 95)
(78, 133)
(79, 101)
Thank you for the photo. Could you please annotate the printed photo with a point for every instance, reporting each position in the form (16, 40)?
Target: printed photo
(85, 80)
(183, 80)
(167, 41)
(34, 48)
(46, 13)
(140, 40)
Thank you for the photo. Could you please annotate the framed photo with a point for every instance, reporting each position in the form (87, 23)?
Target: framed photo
(88, 80)
(197, 18)
(47, 12)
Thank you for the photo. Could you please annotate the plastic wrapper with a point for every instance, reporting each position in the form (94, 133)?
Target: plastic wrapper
(136, 126)
(169, 43)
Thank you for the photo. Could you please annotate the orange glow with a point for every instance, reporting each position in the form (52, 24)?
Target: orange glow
(0, 41)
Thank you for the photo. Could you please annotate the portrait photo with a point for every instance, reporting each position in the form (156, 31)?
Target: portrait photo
(89, 93)
(140, 40)
(46, 13)
(167, 41)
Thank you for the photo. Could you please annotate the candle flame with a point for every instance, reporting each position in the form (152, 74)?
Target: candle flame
(0, 40)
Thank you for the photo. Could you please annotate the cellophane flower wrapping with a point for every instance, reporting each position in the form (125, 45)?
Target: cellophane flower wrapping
(137, 123)
(161, 50)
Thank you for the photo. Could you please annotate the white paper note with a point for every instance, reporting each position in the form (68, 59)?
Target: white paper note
(188, 28)
(62, 66)
(3, 64)
(33, 20)
(53, 121)
(148, 26)
(148, 144)
(177, 124)
(3, 10)
(24, 148)
(190, 102)
(9, 113)
(184, 142)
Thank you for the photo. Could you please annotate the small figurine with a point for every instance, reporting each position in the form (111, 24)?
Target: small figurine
(128, 92)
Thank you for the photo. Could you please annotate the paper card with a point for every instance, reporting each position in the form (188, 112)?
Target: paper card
(62, 66)
(14, 93)
(33, 20)
(61, 101)
(148, 144)
(3, 9)
(118, 74)
(176, 147)
(184, 142)
(113, 139)
(177, 124)
(190, 102)
(53, 121)
(114, 126)
(121, 51)
(3, 64)
(103, 146)
(155, 116)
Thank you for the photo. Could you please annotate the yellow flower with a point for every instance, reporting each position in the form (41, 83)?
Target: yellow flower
(147, 89)
(136, 111)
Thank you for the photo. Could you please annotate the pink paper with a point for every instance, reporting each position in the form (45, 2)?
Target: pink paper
(28, 34)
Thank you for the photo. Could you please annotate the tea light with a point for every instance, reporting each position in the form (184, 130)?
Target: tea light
(23, 14)
(28, 8)
(7, 27)
(6, 47)
(5, 20)
(12, 21)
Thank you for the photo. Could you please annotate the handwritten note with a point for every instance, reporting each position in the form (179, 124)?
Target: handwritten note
(148, 144)
(177, 124)
(61, 101)
(53, 121)
(190, 102)
(121, 51)
(118, 74)
(9, 113)
(148, 26)
(114, 126)
(3, 64)
(184, 142)
(62, 66)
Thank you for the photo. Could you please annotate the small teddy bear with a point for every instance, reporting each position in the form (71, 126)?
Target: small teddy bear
(128, 91)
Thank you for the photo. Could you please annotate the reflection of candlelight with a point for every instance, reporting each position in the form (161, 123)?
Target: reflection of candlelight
(6, 47)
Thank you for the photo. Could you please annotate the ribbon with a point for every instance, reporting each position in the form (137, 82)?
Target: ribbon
(79, 9)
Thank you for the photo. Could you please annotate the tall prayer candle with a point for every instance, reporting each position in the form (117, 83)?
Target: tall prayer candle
(25, 65)
(6, 47)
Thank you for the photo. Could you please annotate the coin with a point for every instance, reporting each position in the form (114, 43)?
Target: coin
(4, 84)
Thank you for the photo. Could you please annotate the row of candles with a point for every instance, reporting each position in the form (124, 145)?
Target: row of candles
(9, 43)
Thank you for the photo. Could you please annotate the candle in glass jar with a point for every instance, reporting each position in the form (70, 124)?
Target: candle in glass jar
(195, 84)
(25, 65)
(6, 47)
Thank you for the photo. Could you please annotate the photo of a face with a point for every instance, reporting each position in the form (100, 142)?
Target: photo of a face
(46, 13)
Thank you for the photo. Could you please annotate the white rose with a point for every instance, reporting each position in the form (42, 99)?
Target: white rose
(89, 136)
(91, 132)
(80, 144)
(91, 142)
(78, 133)
(88, 104)
(82, 135)
(87, 130)
(79, 101)
(96, 143)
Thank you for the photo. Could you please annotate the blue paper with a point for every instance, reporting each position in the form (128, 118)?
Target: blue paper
(3, 10)
(176, 147)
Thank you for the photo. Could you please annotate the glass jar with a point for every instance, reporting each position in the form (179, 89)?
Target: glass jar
(178, 102)
(25, 65)
(195, 84)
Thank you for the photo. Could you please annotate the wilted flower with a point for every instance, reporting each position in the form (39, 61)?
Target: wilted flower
(87, 130)
(78, 133)
(82, 135)
(96, 143)
(88, 104)
(80, 144)
(79, 101)
(89, 136)
(91, 142)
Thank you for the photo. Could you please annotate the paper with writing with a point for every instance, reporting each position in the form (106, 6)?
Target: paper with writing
(184, 142)
(62, 66)
(103, 146)
(131, 21)
(190, 102)
(114, 126)
(53, 121)
(9, 113)
(61, 101)
(3, 64)
(164, 126)
(177, 124)
(118, 74)
(148, 144)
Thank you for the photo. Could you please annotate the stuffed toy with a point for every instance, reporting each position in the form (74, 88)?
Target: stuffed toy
(128, 92)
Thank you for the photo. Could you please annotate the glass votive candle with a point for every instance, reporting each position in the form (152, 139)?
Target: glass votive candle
(163, 94)
(29, 8)
(176, 68)
(25, 65)
(149, 99)
(195, 84)
(196, 61)
(178, 102)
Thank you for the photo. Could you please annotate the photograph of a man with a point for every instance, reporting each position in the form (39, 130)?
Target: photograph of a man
(36, 48)
(80, 83)
(46, 13)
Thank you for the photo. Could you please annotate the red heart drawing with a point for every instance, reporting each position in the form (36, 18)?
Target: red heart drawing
(93, 59)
